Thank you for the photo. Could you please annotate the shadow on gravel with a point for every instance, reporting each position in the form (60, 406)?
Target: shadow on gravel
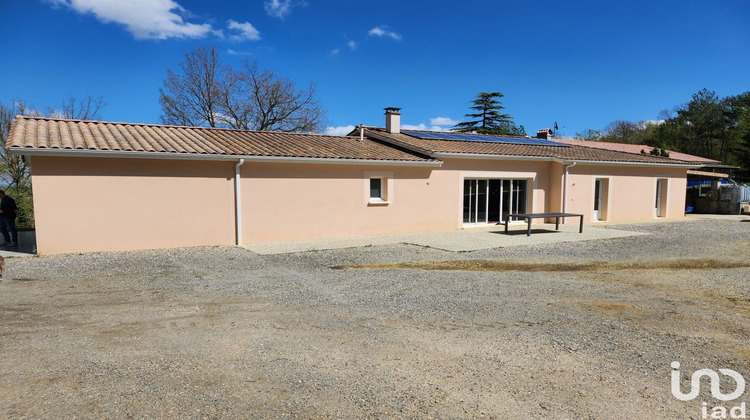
(489, 265)
(524, 232)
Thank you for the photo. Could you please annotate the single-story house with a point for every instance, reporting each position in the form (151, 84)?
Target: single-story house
(101, 186)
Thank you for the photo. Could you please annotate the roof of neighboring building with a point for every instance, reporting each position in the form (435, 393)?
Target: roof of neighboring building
(50, 134)
(706, 175)
(567, 152)
(636, 148)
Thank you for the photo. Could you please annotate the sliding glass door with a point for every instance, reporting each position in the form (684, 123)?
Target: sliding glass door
(489, 200)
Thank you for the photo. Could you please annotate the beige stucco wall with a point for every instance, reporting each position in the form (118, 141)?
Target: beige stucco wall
(536, 173)
(296, 201)
(631, 194)
(105, 204)
(102, 204)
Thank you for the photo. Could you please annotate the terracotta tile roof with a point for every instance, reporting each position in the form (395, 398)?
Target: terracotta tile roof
(636, 148)
(573, 152)
(50, 134)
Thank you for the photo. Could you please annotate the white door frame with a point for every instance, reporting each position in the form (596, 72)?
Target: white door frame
(598, 198)
(474, 197)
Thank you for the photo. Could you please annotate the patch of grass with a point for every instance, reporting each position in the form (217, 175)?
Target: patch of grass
(494, 265)
(735, 299)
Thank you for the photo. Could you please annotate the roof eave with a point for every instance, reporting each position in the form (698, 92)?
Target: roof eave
(217, 158)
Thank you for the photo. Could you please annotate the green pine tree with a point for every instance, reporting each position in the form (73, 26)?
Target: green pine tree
(488, 119)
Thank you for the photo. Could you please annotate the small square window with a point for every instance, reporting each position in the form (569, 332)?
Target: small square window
(376, 189)
(379, 184)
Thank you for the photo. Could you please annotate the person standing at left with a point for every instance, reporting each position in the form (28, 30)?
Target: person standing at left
(8, 220)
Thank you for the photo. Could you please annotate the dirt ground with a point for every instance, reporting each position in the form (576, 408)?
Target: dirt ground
(569, 330)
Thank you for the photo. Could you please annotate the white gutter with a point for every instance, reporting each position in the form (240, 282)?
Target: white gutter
(238, 200)
(565, 188)
(213, 157)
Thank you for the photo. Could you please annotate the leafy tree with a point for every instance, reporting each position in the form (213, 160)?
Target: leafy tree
(704, 126)
(14, 169)
(707, 126)
(739, 107)
(488, 119)
(206, 93)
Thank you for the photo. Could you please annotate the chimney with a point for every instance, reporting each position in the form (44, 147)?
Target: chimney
(545, 133)
(393, 120)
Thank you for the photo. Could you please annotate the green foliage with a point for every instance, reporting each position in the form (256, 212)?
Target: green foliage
(740, 134)
(488, 119)
(708, 126)
(25, 204)
(703, 125)
(14, 170)
(656, 151)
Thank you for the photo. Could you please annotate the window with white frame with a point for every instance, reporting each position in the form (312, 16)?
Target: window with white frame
(378, 189)
(378, 186)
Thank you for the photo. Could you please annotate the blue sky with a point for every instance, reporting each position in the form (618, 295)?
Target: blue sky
(580, 63)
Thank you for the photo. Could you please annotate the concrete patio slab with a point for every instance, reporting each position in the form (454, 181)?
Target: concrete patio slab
(468, 239)
(26, 246)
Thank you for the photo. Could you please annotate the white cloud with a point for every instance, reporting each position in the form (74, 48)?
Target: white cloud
(246, 31)
(413, 127)
(339, 131)
(381, 31)
(443, 121)
(352, 45)
(233, 52)
(278, 8)
(335, 51)
(423, 127)
(144, 19)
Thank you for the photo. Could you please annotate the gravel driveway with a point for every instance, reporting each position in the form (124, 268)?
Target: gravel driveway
(222, 332)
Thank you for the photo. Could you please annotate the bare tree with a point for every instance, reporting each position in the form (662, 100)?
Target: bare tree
(251, 98)
(78, 109)
(191, 97)
(622, 132)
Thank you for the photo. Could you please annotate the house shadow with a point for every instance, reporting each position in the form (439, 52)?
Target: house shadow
(26, 245)
(524, 232)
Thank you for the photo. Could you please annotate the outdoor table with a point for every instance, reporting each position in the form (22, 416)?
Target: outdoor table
(529, 216)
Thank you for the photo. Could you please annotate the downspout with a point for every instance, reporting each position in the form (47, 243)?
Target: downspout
(238, 200)
(565, 188)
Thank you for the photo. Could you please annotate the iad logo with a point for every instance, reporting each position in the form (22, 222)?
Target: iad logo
(695, 384)
(718, 412)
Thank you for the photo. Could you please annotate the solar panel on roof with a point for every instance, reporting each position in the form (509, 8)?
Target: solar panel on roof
(434, 135)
